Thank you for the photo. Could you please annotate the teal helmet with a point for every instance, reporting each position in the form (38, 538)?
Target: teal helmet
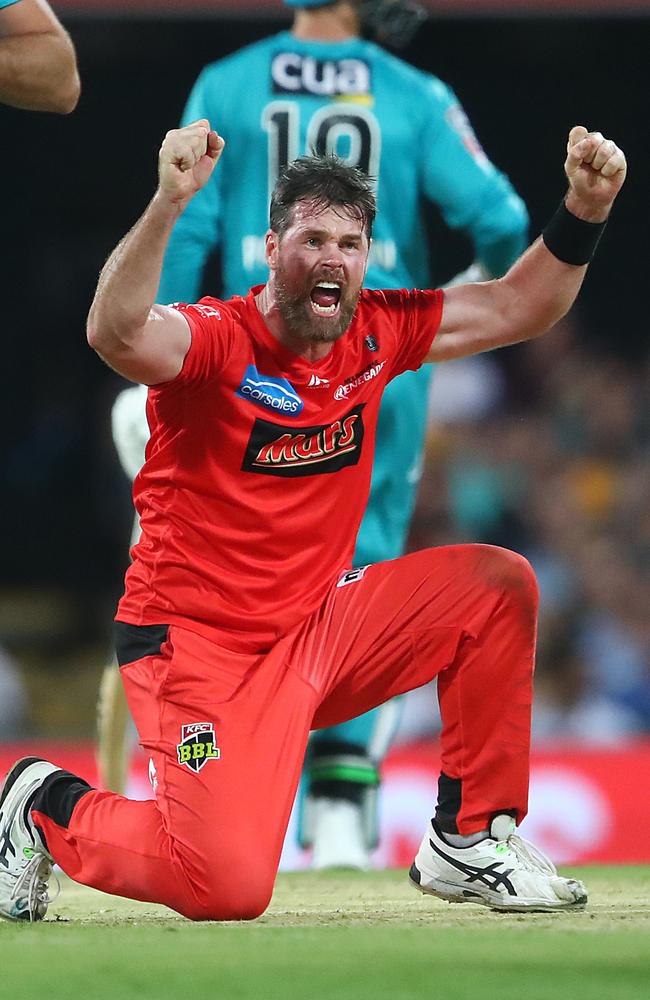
(393, 22)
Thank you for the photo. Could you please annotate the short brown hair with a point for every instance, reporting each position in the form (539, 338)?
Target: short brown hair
(324, 181)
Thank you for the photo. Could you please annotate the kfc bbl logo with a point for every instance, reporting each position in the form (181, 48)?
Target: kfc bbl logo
(198, 745)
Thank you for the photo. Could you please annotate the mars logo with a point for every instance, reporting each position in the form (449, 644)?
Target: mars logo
(295, 74)
(274, 450)
(198, 745)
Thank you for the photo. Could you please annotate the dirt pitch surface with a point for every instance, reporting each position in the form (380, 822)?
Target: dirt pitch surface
(338, 936)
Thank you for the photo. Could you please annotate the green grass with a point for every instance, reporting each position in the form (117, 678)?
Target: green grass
(338, 936)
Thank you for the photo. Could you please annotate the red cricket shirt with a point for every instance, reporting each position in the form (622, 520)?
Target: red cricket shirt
(258, 467)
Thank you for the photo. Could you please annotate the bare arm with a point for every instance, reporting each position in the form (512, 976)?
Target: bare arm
(146, 342)
(38, 67)
(538, 289)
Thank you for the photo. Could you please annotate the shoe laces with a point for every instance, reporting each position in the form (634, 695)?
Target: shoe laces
(531, 857)
(32, 883)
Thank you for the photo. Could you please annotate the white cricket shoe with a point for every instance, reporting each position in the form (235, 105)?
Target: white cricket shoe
(25, 864)
(503, 871)
(338, 835)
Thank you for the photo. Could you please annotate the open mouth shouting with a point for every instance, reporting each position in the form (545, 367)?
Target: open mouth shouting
(325, 298)
(318, 308)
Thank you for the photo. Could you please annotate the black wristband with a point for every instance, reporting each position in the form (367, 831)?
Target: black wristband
(571, 239)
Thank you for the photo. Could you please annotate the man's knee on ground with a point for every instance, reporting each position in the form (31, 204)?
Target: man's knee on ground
(241, 893)
(242, 907)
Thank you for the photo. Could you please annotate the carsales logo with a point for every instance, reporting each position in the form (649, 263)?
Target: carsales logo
(271, 392)
(344, 390)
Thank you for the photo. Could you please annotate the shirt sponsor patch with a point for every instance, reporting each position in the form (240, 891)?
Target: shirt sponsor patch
(198, 745)
(209, 312)
(353, 575)
(292, 73)
(274, 450)
(153, 777)
(369, 372)
(271, 392)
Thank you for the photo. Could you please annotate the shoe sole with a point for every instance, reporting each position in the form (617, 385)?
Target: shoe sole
(450, 893)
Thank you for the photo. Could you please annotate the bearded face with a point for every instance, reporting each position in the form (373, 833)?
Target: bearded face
(319, 270)
(320, 307)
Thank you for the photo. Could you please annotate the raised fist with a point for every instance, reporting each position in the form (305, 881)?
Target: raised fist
(595, 168)
(186, 160)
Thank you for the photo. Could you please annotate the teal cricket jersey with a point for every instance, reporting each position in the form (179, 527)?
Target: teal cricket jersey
(280, 98)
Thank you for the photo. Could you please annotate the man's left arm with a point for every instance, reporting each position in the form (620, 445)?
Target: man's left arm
(542, 285)
(38, 66)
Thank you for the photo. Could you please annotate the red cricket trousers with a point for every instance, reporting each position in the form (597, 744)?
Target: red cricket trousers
(226, 731)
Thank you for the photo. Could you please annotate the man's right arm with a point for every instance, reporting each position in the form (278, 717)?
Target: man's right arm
(38, 67)
(143, 341)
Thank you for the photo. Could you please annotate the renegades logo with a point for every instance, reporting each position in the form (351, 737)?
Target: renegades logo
(198, 745)
(276, 450)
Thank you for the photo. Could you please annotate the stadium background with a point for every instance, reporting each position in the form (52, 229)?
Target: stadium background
(550, 454)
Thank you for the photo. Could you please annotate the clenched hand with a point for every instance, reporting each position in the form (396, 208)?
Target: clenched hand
(186, 160)
(595, 168)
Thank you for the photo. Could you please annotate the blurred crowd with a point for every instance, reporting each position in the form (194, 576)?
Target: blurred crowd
(545, 448)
